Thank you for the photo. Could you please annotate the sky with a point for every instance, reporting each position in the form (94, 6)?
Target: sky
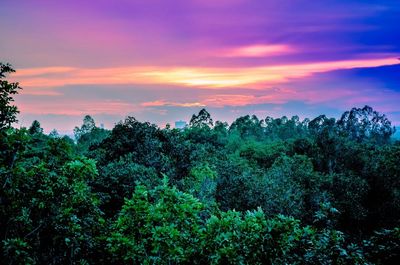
(161, 61)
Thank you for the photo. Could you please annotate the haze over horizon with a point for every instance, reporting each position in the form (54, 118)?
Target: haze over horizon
(162, 61)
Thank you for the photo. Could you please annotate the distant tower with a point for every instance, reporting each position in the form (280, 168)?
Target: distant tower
(102, 125)
(180, 124)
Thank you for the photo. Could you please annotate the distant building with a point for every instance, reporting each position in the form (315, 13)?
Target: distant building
(180, 124)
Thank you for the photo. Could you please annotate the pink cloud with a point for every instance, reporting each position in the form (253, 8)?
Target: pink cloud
(221, 100)
(78, 108)
(159, 103)
(258, 50)
(203, 77)
(41, 92)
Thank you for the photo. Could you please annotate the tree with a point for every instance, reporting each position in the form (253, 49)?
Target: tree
(87, 126)
(248, 126)
(365, 123)
(325, 134)
(35, 128)
(8, 112)
(158, 226)
(54, 134)
(203, 119)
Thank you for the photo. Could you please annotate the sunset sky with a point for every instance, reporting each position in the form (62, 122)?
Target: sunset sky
(162, 61)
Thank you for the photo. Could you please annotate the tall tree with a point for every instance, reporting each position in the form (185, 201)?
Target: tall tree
(248, 126)
(87, 126)
(203, 119)
(8, 112)
(366, 123)
(35, 128)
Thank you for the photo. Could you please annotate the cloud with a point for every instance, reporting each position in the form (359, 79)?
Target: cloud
(260, 50)
(158, 103)
(77, 108)
(154, 58)
(222, 77)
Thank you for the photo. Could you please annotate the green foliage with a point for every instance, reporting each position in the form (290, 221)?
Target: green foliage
(89, 135)
(260, 154)
(201, 182)
(118, 180)
(165, 226)
(17, 251)
(384, 246)
(365, 123)
(286, 186)
(248, 127)
(87, 126)
(8, 112)
(35, 128)
(159, 226)
(131, 136)
(48, 212)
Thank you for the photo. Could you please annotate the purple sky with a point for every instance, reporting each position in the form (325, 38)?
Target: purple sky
(162, 61)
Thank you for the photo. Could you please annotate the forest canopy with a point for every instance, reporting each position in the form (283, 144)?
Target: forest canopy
(257, 191)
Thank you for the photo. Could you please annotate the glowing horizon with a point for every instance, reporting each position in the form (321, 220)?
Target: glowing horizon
(203, 77)
(163, 61)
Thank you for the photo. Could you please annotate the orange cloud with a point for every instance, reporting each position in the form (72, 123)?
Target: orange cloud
(249, 77)
(43, 71)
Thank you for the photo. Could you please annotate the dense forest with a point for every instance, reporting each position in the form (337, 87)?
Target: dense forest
(257, 191)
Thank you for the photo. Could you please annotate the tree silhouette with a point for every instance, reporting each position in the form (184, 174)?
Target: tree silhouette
(203, 119)
(8, 112)
(366, 123)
